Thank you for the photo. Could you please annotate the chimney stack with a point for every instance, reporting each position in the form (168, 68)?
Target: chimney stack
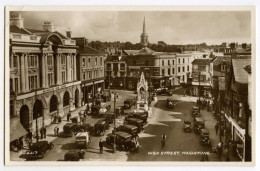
(48, 26)
(16, 20)
(68, 33)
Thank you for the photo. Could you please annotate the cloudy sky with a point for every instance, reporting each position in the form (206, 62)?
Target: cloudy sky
(172, 27)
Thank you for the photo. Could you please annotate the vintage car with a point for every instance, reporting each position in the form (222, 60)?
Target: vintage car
(136, 122)
(100, 127)
(187, 126)
(199, 123)
(83, 139)
(169, 103)
(195, 111)
(139, 115)
(41, 147)
(124, 141)
(128, 103)
(204, 137)
(130, 129)
(74, 155)
(71, 129)
(164, 91)
(95, 110)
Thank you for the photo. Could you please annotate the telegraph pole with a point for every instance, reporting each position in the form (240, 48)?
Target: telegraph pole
(114, 145)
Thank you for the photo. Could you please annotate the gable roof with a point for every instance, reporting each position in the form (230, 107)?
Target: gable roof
(15, 29)
(203, 61)
(240, 74)
(222, 59)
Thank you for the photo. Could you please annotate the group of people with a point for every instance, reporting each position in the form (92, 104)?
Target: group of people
(56, 119)
(205, 103)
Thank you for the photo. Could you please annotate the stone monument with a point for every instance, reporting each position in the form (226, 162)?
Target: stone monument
(142, 94)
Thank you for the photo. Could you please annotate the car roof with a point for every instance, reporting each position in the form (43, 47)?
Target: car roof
(129, 126)
(199, 119)
(135, 119)
(81, 134)
(101, 121)
(123, 134)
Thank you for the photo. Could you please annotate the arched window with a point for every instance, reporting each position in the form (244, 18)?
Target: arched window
(37, 109)
(66, 99)
(53, 103)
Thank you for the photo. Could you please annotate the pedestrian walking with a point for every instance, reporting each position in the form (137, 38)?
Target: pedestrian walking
(59, 119)
(101, 146)
(55, 131)
(58, 130)
(216, 128)
(44, 132)
(68, 116)
(41, 132)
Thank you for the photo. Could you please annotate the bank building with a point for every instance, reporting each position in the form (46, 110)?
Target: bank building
(43, 79)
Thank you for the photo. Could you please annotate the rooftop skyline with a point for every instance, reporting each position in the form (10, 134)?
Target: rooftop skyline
(172, 27)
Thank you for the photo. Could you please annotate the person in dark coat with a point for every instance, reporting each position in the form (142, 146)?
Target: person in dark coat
(44, 132)
(59, 119)
(216, 128)
(41, 132)
(101, 146)
(68, 117)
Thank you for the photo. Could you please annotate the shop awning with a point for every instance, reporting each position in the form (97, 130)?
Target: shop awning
(16, 129)
(201, 84)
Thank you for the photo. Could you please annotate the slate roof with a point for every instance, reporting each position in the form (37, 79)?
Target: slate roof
(240, 74)
(219, 60)
(203, 61)
(89, 51)
(130, 52)
(15, 29)
(143, 51)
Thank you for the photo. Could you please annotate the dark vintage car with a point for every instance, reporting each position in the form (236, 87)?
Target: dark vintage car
(128, 103)
(204, 137)
(187, 126)
(199, 123)
(195, 111)
(139, 115)
(100, 127)
(124, 141)
(130, 129)
(136, 122)
(164, 91)
(74, 155)
(41, 147)
(95, 110)
(109, 117)
(73, 128)
(169, 103)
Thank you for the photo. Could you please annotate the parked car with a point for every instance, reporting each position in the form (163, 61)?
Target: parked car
(136, 122)
(139, 115)
(195, 111)
(73, 128)
(41, 147)
(164, 91)
(123, 140)
(199, 123)
(109, 117)
(187, 126)
(83, 139)
(130, 129)
(100, 127)
(128, 103)
(74, 155)
(169, 103)
(95, 110)
(204, 137)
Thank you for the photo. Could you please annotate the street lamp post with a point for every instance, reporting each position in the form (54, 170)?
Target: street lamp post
(199, 91)
(114, 145)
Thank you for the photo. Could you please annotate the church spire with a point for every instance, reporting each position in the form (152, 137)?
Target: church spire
(144, 30)
(144, 36)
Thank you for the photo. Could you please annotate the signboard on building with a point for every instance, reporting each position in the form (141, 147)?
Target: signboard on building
(221, 83)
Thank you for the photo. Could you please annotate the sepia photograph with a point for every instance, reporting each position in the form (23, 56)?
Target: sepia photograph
(129, 85)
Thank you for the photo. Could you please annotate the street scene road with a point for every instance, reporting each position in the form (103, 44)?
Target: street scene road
(180, 145)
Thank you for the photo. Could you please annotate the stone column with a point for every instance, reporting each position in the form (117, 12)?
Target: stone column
(26, 72)
(43, 71)
(46, 70)
(74, 68)
(58, 69)
(68, 67)
(22, 73)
